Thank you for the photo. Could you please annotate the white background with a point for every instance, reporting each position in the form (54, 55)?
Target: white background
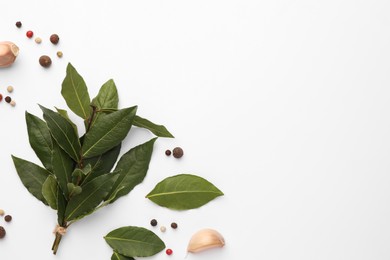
(283, 105)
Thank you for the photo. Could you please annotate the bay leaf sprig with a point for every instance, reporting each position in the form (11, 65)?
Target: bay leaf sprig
(76, 176)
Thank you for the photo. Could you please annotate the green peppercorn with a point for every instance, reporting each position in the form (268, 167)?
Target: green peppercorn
(8, 218)
(173, 225)
(178, 152)
(153, 222)
(2, 232)
(45, 61)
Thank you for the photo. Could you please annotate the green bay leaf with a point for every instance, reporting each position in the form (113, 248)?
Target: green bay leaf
(75, 92)
(108, 132)
(91, 196)
(158, 130)
(32, 176)
(63, 132)
(133, 241)
(133, 167)
(50, 191)
(107, 96)
(183, 191)
(65, 115)
(62, 167)
(40, 139)
(117, 256)
(61, 207)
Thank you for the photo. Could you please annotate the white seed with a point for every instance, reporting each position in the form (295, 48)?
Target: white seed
(205, 239)
(38, 40)
(8, 53)
(163, 229)
(1, 212)
(10, 89)
(59, 54)
(12, 103)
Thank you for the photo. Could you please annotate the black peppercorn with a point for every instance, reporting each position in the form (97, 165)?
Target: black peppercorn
(168, 152)
(153, 222)
(178, 152)
(2, 232)
(18, 24)
(54, 38)
(7, 99)
(173, 225)
(8, 218)
(45, 61)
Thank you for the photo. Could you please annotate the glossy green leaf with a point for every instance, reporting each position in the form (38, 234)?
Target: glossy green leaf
(102, 164)
(117, 256)
(75, 92)
(134, 241)
(91, 196)
(40, 139)
(158, 130)
(108, 132)
(133, 167)
(65, 115)
(107, 96)
(183, 191)
(32, 177)
(61, 207)
(62, 167)
(50, 191)
(63, 132)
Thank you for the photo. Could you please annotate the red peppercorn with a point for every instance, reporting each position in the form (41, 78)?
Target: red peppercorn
(1, 97)
(29, 34)
(169, 251)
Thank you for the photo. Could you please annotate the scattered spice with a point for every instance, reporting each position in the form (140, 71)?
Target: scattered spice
(174, 225)
(1, 97)
(38, 40)
(8, 218)
(1, 212)
(10, 89)
(45, 61)
(18, 24)
(168, 152)
(153, 222)
(169, 251)
(12, 103)
(163, 229)
(7, 99)
(29, 34)
(178, 152)
(2, 232)
(54, 38)
(59, 54)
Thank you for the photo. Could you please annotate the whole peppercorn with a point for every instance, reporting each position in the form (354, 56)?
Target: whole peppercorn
(163, 229)
(38, 40)
(45, 61)
(178, 152)
(169, 251)
(54, 38)
(59, 54)
(168, 152)
(1, 212)
(8, 218)
(12, 103)
(18, 24)
(153, 222)
(2, 232)
(10, 89)
(7, 99)
(29, 34)
(173, 225)
(1, 97)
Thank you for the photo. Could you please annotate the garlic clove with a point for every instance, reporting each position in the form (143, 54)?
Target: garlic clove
(8, 53)
(205, 239)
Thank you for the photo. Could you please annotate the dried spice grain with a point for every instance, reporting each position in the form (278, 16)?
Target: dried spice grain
(1, 212)
(7, 99)
(2, 232)
(174, 225)
(8, 218)
(29, 34)
(38, 40)
(169, 251)
(153, 222)
(18, 24)
(12, 103)
(168, 152)
(1, 97)
(163, 229)
(10, 89)
(45, 61)
(178, 152)
(59, 54)
(54, 38)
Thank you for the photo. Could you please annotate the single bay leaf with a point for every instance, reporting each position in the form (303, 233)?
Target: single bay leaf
(134, 241)
(183, 191)
(102, 164)
(91, 196)
(32, 177)
(65, 115)
(117, 256)
(50, 191)
(62, 167)
(75, 92)
(133, 167)
(40, 139)
(63, 132)
(107, 96)
(108, 132)
(61, 207)
(158, 130)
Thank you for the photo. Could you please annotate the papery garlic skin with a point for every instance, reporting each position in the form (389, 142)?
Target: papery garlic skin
(8, 53)
(205, 239)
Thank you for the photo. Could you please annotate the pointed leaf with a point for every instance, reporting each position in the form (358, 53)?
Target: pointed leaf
(108, 132)
(158, 130)
(91, 196)
(61, 205)
(134, 241)
(183, 191)
(117, 256)
(65, 115)
(32, 177)
(50, 191)
(40, 139)
(62, 168)
(107, 96)
(63, 132)
(75, 92)
(133, 167)
(102, 164)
